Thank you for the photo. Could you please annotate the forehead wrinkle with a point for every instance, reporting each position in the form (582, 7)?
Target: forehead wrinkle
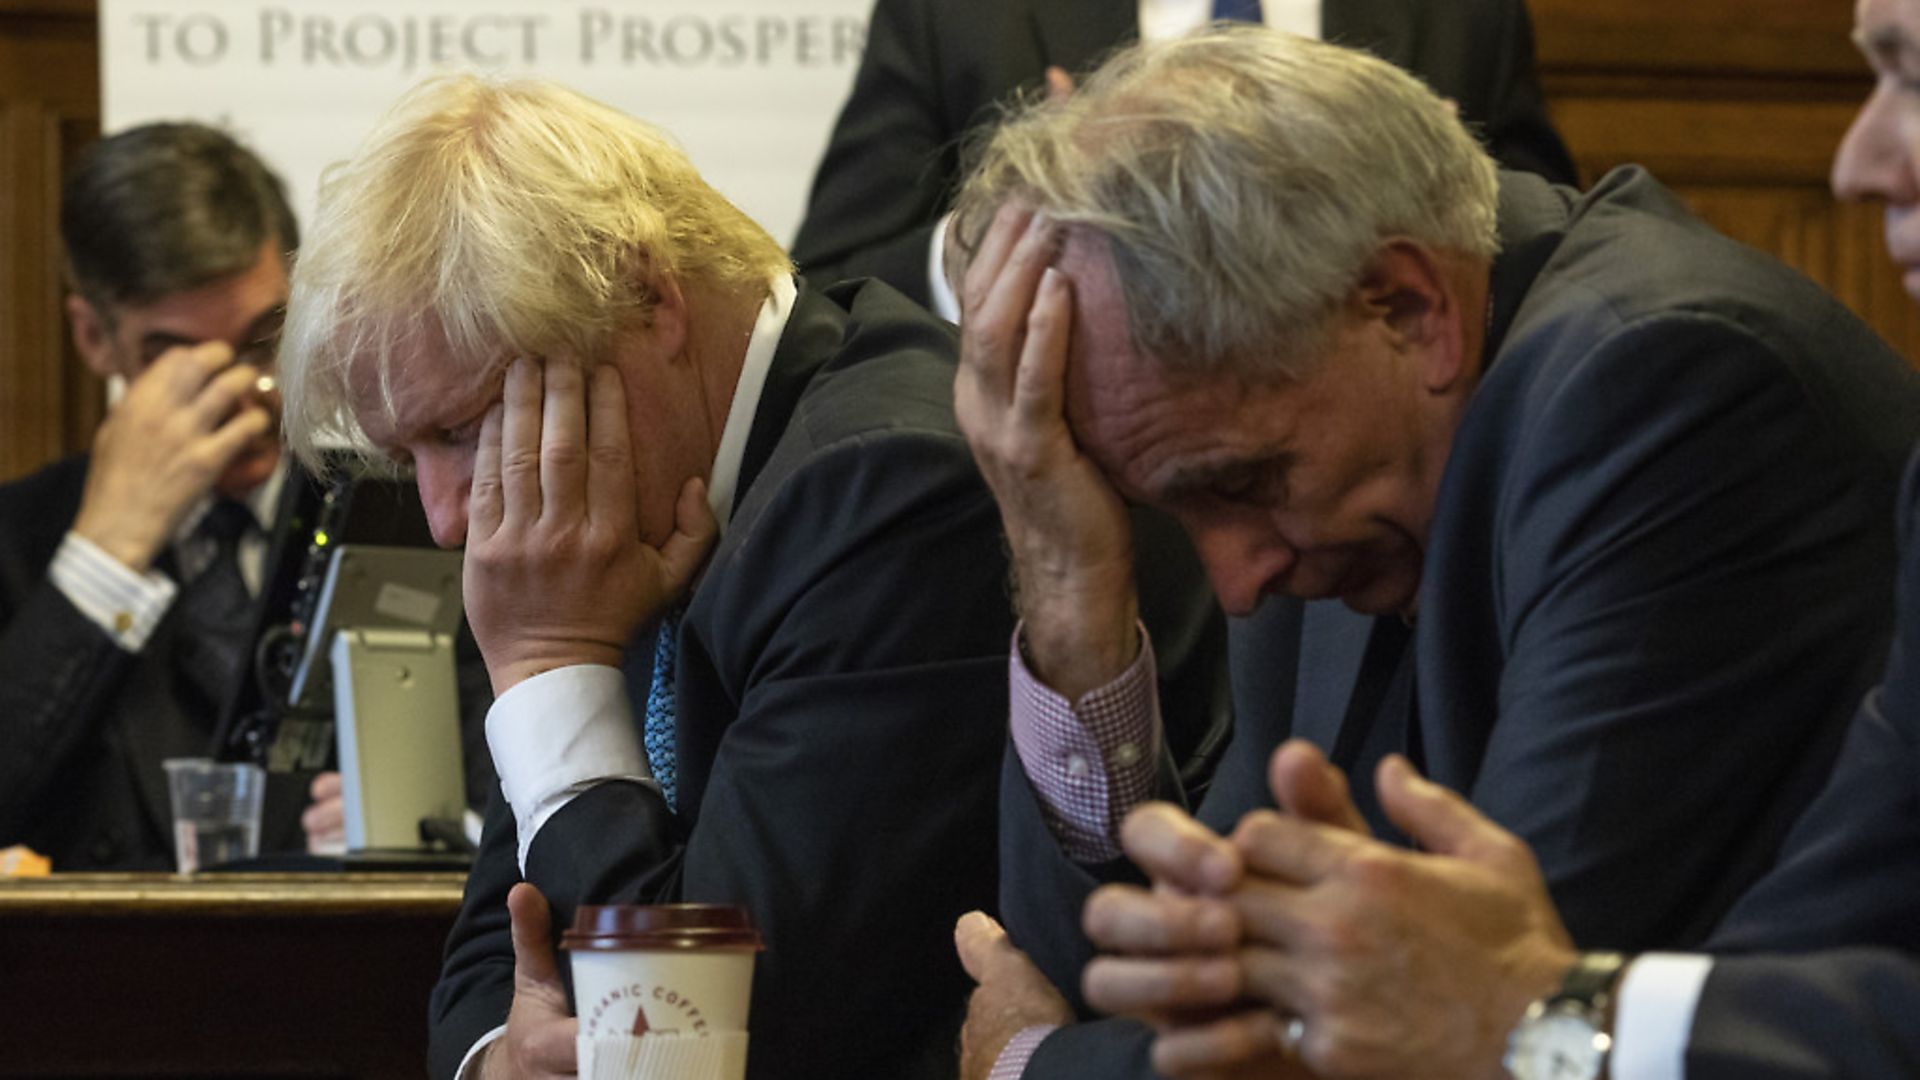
(1167, 440)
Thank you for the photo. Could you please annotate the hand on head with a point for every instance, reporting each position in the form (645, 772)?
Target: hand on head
(1067, 530)
(556, 570)
(189, 416)
(1393, 962)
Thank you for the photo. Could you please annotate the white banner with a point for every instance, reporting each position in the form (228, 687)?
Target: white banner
(749, 87)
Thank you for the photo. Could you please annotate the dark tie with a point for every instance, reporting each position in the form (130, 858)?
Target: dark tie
(215, 611)
(658, 732)
(1240, 10)
(1382, 717)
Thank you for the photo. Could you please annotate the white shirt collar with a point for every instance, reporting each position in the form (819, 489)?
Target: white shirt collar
(724, 481)
(1164, 19)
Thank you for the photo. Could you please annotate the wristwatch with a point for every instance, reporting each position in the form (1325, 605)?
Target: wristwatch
(1566, 1036)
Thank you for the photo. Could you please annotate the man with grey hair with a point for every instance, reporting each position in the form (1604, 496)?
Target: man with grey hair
(1568, 498)
(734, 573)
(1457, 949)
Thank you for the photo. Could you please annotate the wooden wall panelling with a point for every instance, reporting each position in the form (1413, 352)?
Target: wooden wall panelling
(1739, 106)
(1774, 38)
(49, 110)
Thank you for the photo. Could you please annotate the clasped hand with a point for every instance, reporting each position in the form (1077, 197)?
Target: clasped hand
(557, 572)
(1300, 941)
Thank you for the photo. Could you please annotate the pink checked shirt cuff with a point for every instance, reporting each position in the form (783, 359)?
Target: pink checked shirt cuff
(1019, 1050)
(1090, 761)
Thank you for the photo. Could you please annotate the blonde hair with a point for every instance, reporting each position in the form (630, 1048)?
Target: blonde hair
(1244, 179)
(508, 218)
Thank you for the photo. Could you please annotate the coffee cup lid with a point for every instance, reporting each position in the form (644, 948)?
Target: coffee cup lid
(661, 926)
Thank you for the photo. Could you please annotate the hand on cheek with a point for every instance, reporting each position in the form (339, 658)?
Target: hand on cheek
(556, 571)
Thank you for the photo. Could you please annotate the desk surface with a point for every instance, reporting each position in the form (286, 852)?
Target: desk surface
(307, 976)
(243, 896)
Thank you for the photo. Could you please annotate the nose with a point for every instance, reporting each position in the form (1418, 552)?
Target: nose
(1876, 160)
(1241, 558)
(444, 481)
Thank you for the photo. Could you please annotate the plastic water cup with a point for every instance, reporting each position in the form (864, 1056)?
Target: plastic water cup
(216, 811)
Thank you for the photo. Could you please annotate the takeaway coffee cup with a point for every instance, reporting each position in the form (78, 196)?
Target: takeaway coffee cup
(662, 990)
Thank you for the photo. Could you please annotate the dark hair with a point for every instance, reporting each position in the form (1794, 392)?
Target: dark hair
(163, 208)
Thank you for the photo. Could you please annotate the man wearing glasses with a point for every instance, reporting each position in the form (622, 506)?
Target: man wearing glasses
(127, 575)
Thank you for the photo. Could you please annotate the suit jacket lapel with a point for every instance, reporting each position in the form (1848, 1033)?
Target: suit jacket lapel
(1333, 644)
(813, 333)
(1075, 33)
(1384, 28)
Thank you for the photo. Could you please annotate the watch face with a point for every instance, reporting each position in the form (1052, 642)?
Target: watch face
(1556, 1046)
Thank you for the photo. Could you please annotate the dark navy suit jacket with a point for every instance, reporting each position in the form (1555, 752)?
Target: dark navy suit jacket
(841, 704)
(1832, 985)
(1657, 582)
(84, 724)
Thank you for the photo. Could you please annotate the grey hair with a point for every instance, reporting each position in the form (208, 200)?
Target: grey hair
(1244, 179)
(506, 219)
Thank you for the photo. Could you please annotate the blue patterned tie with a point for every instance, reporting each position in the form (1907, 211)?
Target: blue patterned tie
(658, 734)
(1241, 10)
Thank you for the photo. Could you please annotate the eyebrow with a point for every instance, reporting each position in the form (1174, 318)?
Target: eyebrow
(1189, 480)
(159, 341)
(270, 319)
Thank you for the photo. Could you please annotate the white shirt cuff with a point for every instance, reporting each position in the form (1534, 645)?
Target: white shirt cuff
(121, 601)
(556, 735)
(469, 1068)
(1654, 1017)
(940, 294)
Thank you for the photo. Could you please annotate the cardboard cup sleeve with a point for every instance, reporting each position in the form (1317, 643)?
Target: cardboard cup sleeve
(720, 1055)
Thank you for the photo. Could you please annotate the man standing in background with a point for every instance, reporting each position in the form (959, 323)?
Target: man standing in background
(935, 71)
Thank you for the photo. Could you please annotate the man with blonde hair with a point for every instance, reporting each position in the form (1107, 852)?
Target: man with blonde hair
(732, 569)
(1568, 498)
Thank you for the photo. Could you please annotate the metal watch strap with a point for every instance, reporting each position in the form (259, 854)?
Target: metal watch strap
(1586, 995)
(1590, 982)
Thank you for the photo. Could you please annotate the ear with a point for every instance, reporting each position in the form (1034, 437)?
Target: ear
(667, 322)
(1408, 289)
(92, 336)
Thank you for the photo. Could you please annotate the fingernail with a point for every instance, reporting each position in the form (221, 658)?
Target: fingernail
(1399, 769)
